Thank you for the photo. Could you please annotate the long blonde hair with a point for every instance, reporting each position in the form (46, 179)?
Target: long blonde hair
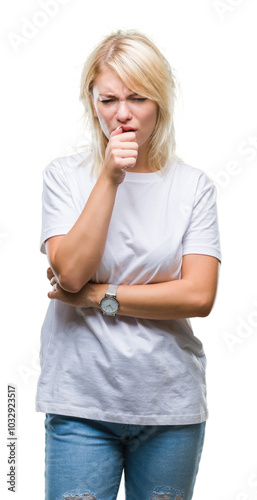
(144, 70)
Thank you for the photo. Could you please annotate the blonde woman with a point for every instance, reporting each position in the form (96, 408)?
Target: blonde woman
(132, 239)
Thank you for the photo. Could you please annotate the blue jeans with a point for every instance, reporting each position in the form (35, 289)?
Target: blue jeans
(85, 459)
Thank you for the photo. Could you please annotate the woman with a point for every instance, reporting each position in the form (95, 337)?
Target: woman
(131, 236)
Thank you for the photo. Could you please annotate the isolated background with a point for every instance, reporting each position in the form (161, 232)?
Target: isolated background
(212, 46)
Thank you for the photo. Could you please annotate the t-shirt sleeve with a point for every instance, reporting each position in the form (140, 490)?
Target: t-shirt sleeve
(202, 234)
(59, 213)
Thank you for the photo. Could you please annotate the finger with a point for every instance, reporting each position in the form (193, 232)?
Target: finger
(52, 295)
(53, 281)
(49, 272)
(126, 153)
(59, 294)
(117, 131)
(125, 145)
(127, 162)
(125, 136)
(55, 293)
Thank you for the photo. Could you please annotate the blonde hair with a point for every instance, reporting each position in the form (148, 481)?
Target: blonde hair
(144, 70)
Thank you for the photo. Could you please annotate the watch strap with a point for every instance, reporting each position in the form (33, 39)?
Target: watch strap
(112, 290)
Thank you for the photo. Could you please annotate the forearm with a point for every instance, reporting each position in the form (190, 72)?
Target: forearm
(191, 296)
(80, 251)
(75, 257)
(169, 300)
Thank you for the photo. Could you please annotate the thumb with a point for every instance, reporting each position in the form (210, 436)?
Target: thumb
(117, 131)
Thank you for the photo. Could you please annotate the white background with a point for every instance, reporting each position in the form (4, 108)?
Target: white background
(212, 47)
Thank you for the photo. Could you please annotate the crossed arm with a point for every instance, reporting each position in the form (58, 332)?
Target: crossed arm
(192, 295)
(75, 257)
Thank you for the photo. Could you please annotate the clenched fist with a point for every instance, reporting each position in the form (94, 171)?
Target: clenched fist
(120, 154)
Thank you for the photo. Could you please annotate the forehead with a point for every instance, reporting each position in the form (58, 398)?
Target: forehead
(107, 81)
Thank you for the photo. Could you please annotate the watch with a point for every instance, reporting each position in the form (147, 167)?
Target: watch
(109, 304)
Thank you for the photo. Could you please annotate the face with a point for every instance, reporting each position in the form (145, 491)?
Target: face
(115, 105)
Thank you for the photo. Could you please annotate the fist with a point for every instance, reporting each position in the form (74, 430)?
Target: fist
(121, 153)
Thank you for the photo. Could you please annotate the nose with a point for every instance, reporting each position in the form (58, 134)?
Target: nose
(123, 111)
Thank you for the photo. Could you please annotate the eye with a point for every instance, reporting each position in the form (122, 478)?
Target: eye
(106, 101)
(138, 99)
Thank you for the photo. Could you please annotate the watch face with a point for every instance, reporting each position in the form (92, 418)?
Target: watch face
(109, 305)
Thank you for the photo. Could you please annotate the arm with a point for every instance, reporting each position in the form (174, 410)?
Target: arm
(193, 295)
(75, 257)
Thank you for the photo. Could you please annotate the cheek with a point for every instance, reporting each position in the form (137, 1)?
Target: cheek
(151, 116)
(150, 121)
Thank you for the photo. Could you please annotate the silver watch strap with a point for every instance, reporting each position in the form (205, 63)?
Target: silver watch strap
(112, 290)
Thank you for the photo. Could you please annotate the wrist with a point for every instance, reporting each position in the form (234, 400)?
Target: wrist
(111, 179)
(95, 292)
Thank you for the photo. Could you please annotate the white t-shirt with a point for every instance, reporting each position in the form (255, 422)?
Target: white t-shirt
(124, 369)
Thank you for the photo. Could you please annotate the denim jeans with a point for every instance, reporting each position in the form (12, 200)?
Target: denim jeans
(85, 459)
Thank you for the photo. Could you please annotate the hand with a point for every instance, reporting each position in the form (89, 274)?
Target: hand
(50, 275)
(89, 296)
(121, 153)
(79, 299)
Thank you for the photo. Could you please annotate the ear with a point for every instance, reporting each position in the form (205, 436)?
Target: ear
(93, 105)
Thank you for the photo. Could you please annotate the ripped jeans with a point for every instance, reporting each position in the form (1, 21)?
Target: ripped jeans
(85, 459)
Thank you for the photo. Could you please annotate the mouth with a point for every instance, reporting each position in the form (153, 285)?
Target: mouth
(126, 128)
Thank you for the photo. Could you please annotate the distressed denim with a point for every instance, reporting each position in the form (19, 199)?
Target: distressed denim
(85, 459)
